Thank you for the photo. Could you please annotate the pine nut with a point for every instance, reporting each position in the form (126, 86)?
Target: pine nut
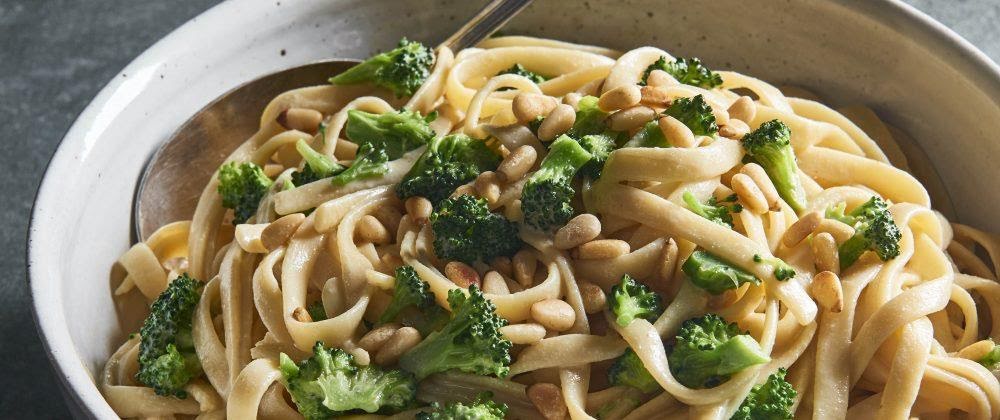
(302, 315)
(600, 249)
(419, 209)
(301, 119)
(653, 96)
(361, 356)
(345, 150)
(734, 129)
(676, 132)
(502, 264)
(801, 229)
(493, 283)
(461, 274)
(248, 236)
(825, 256)
(593, 297)
(389, 216)
(272, 170)
(660, 78)
(977, 350)
(553, 314)
(528, 106)
(558, 122)
(513, 211)
(517, 163)
(743, 109)
(668, 262)
(572, 99)
(375, 339)
(577, 231)
(630, 118)
(525, 264)
(548, 399)
(620, 97)
(721, 116)
(840, 230)
(486, 187)
(827, 290)
(371, 230)
(523, 333)
(751, 196)
(401, 342)
(759, 177)
(463, 190)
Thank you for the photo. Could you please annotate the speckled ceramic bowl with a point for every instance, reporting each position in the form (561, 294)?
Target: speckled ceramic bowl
(912, 70)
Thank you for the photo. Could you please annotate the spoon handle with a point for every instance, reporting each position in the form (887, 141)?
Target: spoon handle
(485, 23)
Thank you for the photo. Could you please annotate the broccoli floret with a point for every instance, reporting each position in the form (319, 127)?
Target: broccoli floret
(401, 70)
(649, 135)
(482, 408)
(708, 350)
(394, 132)
(713, 274)
(688, 71)
(316, 311)
(589, 118)
(771, 147)
(782, 271)
(631, 300)
(242, 186)
(695, 113)
(992, 359)
(771, 400)
(369, 162)
(448, 162)
(329, 383)
(874, 230)
(600, 147)
(318, 165)
(167, 359)
(721, 213)
(466, 230)
(470, 342)
(413, 303)
(628, 370)
(519, 70)
(545, 199)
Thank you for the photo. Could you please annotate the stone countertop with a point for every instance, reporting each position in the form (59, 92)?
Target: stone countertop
(54, 57)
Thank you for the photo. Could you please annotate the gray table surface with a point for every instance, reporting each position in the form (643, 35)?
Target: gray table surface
(54, 57)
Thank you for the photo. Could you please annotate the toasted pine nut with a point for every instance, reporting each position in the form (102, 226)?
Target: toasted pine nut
(345, 150)
(369, 229)
(301, 119)
(977, 350)
(593, 297)
(600, 249)
(486, 187)
(840, 230)
(751, 196)
(827, 290)
(528, 106)
(825, 256)
(572, 99)
(525, 264)
(676, 132)
(554, 314)
(272, 170)
(660, 78)
(419, 209)
(734, 129)
(721, 116)
(654, 96)
(548, 399)
(578, 230)
(374, 339)
(630, 118)
(248, 236)
(759, 177)
(743, 109)
(529, 333)
(517, 163)
(361, 356)
(801, 229)
(513, 211)
(668, 262)
(463, 190)
(461, 274)
(503, 265)
(493, 283)
(401, 342)
(302, 315)
(620, 97)
(557, 122)
(389, 216)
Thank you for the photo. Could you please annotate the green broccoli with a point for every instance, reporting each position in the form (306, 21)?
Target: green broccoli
(721, 213)
(448, 162)
(242, 186)
(369, 162)
(874, 230)
(771, 400)
(782, 271)
(631, 300)
(329, 383)
(318, 165)
(482, 408)
(708, 350)
(470, 342)
(167, 359)
(589, 118)
(695, 113)
(688, 71)
(649, 135)
(401, 70)
(628, 370)
(413, 303)
(770, 146)
(600, 147)
(381, 138)
(713, 274)
(545, 199)
(992, 359)
(466, 230)
(316, 310)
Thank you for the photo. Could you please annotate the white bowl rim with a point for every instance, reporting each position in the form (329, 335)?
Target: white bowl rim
(48, 316)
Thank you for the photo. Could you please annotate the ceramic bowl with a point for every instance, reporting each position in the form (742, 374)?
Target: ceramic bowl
(912, 70)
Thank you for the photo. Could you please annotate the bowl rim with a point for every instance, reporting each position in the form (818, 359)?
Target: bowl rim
(79, 387)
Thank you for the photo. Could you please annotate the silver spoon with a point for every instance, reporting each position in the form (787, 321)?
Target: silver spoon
(175, 175)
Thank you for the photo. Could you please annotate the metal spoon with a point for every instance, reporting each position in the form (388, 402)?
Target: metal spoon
(175, 175)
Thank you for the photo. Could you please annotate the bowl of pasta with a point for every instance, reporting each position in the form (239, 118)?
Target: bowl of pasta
(634, 210)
